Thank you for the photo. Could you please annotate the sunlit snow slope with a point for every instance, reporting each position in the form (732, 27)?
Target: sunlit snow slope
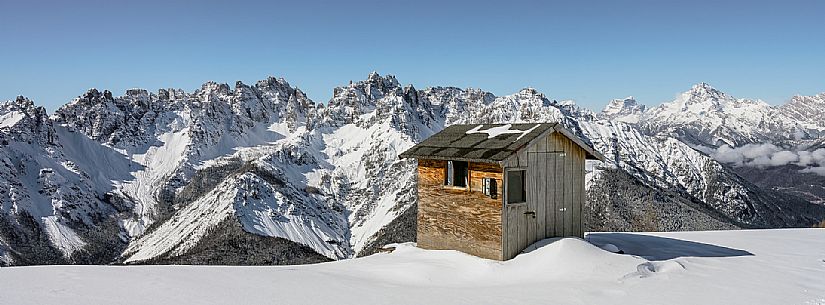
(721, 267)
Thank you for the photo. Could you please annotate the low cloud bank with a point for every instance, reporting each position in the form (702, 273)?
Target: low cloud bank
(768, 155)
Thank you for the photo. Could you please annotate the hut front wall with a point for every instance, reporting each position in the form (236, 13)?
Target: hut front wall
(459, 219)
(555, 192)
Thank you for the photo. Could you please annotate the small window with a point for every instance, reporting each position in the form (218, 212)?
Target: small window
(515, 186)
(489, 187)
(456, 174)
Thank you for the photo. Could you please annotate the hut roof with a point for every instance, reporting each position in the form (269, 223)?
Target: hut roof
(487, 142)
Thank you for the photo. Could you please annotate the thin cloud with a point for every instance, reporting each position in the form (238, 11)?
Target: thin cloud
(769, 155)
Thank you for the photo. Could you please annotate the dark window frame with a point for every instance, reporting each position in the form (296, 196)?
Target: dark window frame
(489, 187)
(510, 183)
(450, 174)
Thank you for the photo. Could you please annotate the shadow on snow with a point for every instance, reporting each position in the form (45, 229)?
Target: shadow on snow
(657, 248)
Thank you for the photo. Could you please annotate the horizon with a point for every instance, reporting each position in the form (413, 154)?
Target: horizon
(402, 84)
(590, 54)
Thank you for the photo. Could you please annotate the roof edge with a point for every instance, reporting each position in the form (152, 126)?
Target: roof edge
(411, 156)
(587, 148)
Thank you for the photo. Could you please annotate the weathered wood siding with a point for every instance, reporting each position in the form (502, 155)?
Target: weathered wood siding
(555, 187)
(515, 235)
(459, 219)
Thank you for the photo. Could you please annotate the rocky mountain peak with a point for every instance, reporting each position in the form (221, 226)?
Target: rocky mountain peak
(704, 91)
(21, 102)
(21, 120)
(530, 93)
(808, 110)
(377, 86)
(137, 94)
(274, 84)
(532, 96)
(94, 96)
(623, 106)
(212, 87)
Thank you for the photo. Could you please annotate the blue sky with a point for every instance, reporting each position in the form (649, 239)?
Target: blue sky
(589, 51)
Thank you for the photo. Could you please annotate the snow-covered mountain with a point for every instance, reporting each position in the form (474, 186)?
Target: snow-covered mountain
(709, 117)
(714, 122)
(263, 173)
(808, 112)
(51, 210)
(623, 110)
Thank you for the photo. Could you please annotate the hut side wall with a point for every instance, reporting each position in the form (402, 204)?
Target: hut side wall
(459, 219)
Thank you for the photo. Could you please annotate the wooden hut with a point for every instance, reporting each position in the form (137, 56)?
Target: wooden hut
(491, 190)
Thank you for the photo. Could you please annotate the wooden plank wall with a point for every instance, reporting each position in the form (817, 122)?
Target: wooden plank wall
(515, 238)
(578, 191)
(555, 192)
(459, 219)
(570, 190)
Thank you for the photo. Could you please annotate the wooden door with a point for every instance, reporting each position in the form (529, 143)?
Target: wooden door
(536, 196)
(545, 193)
(515, 233)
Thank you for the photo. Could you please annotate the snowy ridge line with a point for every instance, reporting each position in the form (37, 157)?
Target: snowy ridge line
(706, 116)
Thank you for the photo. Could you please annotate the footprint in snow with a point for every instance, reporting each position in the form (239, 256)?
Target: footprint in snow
(649, 269)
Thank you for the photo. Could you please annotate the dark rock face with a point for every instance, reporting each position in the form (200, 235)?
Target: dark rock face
(229, 244)
(28, 244)
(619, 202)
(401, 229)
(787, 179)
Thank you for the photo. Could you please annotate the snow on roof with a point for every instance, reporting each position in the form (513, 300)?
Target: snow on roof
(493, 132)
(486, 142)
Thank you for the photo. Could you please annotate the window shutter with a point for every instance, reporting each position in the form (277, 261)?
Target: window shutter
(449, 179)
(493, 192)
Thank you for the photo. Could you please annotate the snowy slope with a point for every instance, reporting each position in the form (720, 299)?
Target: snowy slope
(45, 198)
(722, 267)
(265, 194)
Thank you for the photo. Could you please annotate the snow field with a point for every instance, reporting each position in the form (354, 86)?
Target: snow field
(720, 267)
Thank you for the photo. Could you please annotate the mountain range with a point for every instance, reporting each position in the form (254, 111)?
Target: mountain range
(261, 174)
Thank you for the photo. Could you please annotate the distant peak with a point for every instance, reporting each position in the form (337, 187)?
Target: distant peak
(273, 83)
(623, 106)
(388, 79)
(22, 100)
(374, 75)
(530, 91)
(137, 93)
(20, 103)
(704, 87)
(215, 87)
(629, 101)
(704, 92)
(94, 94)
